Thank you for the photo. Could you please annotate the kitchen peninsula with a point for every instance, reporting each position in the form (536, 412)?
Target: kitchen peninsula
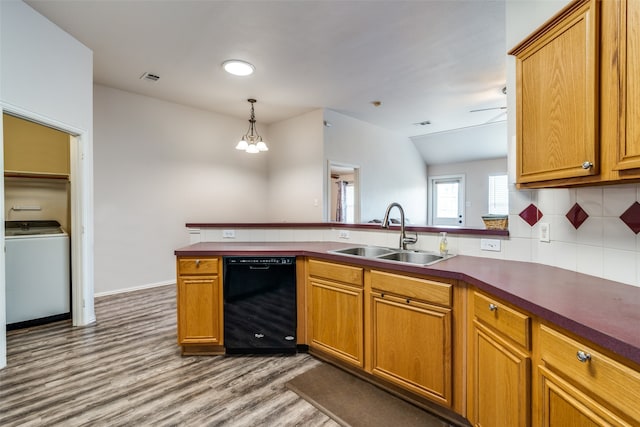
(553, 333)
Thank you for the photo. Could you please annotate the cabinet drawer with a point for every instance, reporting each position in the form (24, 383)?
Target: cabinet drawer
(506, 320)
(195, 265)
(413, 287)
(339, 272)
(609, 380)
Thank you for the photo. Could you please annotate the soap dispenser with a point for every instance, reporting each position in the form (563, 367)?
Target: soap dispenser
(444, 245)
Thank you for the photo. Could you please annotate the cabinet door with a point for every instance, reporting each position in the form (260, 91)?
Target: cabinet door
(337, 318)
(557, 98)
(33, 148)
(412, 345)
(199, 317)
(500, 386)
(629, 141)
(564, 405)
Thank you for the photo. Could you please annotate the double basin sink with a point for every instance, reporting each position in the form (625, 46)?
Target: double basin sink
(389, 254)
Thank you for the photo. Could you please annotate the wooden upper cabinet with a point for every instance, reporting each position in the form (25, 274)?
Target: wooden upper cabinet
(628, 154)
(557, 97)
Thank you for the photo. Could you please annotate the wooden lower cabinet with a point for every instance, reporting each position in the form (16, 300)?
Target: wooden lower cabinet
(411, 344)
(499, 364)
(411, 333)
(581, 385)
(336, 311)
(501, 381)
(561, 404)
(200, 310)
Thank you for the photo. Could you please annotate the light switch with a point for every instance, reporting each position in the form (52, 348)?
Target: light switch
(544, 232)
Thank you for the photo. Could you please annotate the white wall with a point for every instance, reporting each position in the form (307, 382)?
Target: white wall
(391, 169)
(46, 75)
(476, 184)
(159, 165)
(52, 196)
(296, 169)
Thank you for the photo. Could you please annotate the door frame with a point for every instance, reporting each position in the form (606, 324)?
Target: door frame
(355, 169)
(81, 183)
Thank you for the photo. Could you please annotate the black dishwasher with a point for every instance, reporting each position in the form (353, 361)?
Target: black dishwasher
(259, 304)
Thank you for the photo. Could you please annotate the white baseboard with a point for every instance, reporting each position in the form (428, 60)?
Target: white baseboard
(135, 288)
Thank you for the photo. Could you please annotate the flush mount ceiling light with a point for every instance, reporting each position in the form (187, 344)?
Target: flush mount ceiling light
(238, 67)
(251, 142)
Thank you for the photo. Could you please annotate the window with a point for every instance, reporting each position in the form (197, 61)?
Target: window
(498, 195)
(447, 200)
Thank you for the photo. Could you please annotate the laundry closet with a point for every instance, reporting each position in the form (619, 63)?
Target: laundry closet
(37, 223)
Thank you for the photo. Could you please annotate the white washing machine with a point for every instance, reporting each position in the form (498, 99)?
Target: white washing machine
(38, 280)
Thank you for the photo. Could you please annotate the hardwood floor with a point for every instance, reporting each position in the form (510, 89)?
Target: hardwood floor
(126, 370)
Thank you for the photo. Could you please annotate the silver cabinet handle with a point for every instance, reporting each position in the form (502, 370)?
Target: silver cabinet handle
(197, 263)
(582, 356)
(587, 165)
(493, 307)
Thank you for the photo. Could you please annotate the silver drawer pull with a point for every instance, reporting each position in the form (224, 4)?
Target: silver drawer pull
(587, 165)
(197, 263)
(582, 356)
(493, 307)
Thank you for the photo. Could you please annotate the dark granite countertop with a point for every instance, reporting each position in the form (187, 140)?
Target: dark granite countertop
(602, 311)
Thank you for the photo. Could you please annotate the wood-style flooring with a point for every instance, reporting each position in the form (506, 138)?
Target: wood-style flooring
(126, 370)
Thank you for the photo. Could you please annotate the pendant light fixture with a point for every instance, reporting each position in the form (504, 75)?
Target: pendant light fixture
(251, 142)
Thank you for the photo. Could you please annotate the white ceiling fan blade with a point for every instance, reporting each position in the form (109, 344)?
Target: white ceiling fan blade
(488, 109)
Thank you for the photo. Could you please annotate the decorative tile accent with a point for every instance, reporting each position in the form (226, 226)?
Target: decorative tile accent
(531, 214)
(631, 217)
(577, 216)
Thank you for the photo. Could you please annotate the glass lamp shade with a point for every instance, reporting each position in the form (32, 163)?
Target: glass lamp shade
(262, 146)
(252, 148)
(242, 145)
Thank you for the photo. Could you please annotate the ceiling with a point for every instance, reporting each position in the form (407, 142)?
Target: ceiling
(424, 60)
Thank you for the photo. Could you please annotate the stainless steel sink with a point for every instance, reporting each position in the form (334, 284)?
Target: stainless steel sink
(365, 251)
(411, 257)
(389, 254)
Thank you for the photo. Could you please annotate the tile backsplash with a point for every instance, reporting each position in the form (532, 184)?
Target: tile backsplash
(592, 230)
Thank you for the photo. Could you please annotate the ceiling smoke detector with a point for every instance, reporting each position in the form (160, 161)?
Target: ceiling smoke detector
(150, 77)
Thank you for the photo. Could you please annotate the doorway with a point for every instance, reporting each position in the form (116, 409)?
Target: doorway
(343, 193)
(80, 215)
(37, 223)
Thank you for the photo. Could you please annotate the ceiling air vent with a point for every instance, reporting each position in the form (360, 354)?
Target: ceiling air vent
(150, 77)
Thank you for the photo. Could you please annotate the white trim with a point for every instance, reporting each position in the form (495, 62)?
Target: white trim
(135, 288)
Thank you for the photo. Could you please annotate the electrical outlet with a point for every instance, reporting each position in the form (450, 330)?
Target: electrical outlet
(545, 232)
(228, 234)
(343, 234)
(490, 245)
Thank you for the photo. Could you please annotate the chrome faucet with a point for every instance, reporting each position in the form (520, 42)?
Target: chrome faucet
(404, 240)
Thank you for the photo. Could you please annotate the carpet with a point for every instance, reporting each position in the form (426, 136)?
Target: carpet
(353, 402)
